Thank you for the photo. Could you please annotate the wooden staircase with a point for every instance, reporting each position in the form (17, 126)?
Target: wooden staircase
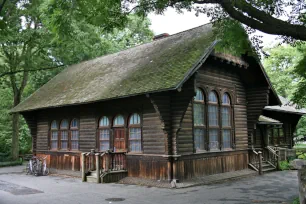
(103, 167)
(264, 160)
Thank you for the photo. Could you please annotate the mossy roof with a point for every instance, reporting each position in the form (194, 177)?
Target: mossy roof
(164, 64)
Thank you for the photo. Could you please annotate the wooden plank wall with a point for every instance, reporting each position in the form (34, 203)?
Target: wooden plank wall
(152, 167)
(224, 78)
(182, 125)
(162, 106)
(258, 98)
(212, 163)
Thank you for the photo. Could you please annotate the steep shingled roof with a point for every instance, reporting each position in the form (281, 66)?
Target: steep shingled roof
(156, 66)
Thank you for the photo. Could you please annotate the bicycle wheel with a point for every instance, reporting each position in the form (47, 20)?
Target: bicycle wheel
(46, 173)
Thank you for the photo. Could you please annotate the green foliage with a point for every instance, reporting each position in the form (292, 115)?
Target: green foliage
(39, 34)
(10, 163)
(284, 165)
(234, 39)
(285, 69)
(296, 201)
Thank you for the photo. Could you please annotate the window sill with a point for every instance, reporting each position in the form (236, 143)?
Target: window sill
(65, 151)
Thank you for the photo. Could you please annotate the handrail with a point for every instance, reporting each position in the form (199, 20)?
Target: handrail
(256, 160)
(272, 151)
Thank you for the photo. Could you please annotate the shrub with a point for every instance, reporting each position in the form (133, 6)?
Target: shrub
(296, 201)
(284, 165)
(10, 163)
(302, 156)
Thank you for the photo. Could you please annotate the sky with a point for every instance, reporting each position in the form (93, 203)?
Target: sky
(172, 22)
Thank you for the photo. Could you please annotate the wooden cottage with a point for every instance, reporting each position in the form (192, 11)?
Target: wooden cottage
(171, 109)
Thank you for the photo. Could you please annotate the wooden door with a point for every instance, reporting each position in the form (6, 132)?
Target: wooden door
(119, 139)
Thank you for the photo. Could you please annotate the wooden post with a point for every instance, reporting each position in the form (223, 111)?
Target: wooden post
(301, 183)
(277, 159)
(260, 162)
(92, 158)
(106, 156)
(169, 165)
(83, 167)
(98, 167)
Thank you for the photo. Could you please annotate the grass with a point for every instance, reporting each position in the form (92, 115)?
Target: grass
(296, 201)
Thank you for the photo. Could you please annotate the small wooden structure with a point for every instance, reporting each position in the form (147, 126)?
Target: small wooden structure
(172, 109)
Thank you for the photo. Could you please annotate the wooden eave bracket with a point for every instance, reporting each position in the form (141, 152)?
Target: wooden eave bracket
(230, 62)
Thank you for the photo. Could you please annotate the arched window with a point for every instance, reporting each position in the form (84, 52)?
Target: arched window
(119, 120)
(134, 133)
(226, 121)
(54, 135)
(74, 128)
(199, 120)
(213, 120)
(104, 134)
(64, 134)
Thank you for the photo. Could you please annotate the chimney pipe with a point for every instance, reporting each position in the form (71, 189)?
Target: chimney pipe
(160, 36)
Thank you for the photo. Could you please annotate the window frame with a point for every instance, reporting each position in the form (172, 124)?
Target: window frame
(105, 127)
(203, 126)
(214, 127)
(230, 127)
(60, 135)
(139, 125)
(71, 128)
(51, 131)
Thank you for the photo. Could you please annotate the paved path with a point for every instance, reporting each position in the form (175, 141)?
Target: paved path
(276, 187)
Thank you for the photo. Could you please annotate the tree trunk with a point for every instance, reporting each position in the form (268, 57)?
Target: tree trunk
(15, 125)
(15, 137)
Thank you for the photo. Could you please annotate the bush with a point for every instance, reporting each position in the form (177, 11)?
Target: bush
(10, 163)
(296, 201)
(301, 156)
(284, 165)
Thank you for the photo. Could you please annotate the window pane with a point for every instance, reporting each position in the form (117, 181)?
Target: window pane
(104, 134)
(199, 139)
(54, 139)
(104, 122)
(119, 120)
(104, 139)
(213, 140)
(104, 145)
(226, 119)
(226, 136)
(213, 97)
(199, 95)
(74, 139)
(213, 115)
(226, 99)
(135, 140)
(74, 123)
(134, 119)
(64, 124)
(198, 114)
(64, 139)
(53, 125)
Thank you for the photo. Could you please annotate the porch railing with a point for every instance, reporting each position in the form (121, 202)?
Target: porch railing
(102, 163)
(255, 158)
(271, 155)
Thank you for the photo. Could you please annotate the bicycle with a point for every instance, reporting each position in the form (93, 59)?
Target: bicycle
(37, 166)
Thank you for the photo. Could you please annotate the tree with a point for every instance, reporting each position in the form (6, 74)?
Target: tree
(30, 43)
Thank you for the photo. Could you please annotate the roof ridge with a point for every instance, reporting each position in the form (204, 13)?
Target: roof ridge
(146, 43)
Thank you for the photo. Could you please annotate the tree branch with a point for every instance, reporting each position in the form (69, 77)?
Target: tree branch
(255, 18)
(29, 70)
(2, 5)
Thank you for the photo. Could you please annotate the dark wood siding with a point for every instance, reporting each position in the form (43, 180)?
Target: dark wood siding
(224, 78)
(258, 98)
(198, 165)
(182, 127)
